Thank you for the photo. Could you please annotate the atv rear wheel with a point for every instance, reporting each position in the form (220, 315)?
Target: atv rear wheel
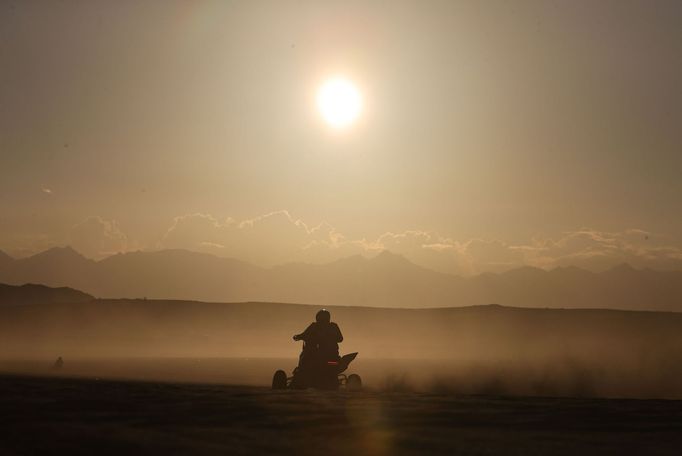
(354, 383)
(279, 380)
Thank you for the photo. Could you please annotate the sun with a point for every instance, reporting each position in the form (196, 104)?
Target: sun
(339, 102)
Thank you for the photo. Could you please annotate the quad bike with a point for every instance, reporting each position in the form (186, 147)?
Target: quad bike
(321, 373)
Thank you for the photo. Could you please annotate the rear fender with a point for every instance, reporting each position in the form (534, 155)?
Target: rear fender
(346, 360)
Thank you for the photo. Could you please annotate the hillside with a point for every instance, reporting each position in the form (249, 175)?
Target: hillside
(40, 294)
(158, 327)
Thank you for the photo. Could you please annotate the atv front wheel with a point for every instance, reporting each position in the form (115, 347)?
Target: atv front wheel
(279, 380)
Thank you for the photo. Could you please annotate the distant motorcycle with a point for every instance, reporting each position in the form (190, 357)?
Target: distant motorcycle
(321, 373)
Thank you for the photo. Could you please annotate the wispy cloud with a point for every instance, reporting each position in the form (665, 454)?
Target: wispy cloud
(96, 237)
(278, 237)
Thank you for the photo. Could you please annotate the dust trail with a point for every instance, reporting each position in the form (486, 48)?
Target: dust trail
(475, 350)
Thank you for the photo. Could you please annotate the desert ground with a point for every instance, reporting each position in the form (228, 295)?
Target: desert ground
(175, 377)
(214, 406)
(50, 415)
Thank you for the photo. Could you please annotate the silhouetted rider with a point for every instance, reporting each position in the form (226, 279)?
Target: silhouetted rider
(321, 338)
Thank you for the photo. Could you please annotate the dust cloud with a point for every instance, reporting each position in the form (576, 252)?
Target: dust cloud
(489, 350)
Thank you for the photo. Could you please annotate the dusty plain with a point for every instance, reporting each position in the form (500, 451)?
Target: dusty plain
(59, 414)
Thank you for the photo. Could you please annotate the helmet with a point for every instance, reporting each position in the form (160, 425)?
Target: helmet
(323, 316)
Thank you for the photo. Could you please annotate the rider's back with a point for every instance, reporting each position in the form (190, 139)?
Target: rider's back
(325, 337)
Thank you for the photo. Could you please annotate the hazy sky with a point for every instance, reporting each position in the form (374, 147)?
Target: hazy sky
(493, 133)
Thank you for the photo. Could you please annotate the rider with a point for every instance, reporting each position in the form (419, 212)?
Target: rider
(321, 338)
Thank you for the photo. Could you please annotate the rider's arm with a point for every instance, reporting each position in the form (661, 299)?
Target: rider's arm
(305, 334)
(339, 336)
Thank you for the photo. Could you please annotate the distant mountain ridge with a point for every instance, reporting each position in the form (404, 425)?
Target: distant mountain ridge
(387, 280)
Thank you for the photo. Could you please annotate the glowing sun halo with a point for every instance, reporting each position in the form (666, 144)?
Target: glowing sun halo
(339, 102)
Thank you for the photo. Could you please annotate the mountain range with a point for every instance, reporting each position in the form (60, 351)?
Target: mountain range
(387, 280)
